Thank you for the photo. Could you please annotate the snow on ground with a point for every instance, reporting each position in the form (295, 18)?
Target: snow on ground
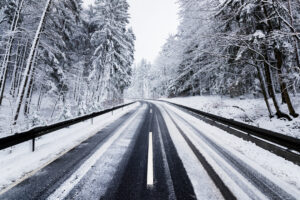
(280, 171)
(251, 111)
(51, 111)
(202, 183)
(19, 161)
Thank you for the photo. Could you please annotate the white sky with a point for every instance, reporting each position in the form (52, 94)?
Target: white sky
(152, 22)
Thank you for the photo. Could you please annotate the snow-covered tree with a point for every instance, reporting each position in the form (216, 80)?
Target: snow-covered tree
(142, 84)
(235, 48)
(113, 55)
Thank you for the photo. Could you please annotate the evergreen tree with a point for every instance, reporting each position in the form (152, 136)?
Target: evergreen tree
(231, 47)
(113, 48)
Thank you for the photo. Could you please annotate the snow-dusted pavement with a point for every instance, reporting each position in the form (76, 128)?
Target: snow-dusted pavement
(187, 159)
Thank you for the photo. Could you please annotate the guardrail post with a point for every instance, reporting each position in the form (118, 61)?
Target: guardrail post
(33, 144)
(32, 134)
(92, 121)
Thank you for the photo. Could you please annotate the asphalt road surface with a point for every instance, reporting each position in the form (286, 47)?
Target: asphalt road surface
(152, 152)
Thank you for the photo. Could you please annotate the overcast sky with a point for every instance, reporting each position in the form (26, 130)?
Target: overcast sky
(152, 21)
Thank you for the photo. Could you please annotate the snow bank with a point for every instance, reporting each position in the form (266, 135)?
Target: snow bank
(282, 172)
(250, 111)
(18, 162)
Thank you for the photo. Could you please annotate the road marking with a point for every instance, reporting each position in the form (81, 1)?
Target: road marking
(150, 110)
(150, 162)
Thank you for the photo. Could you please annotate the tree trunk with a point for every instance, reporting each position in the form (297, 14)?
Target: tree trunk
(15, 72)
(30, 62)
(283, 86)
(18, 81)
(57, 100)
(28, 97)
(30, 85)
(4, 71)
(271, 89)
(79, 87)
(18, 74)
(29, 93)
(39, 99)
(268, 72)
(9, 49)
(264, 89)
(296, 47)
(294, 89)
(283, 101)
(3, 84)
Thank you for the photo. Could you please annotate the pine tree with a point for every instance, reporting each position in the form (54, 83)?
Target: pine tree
(231, 47)
(28, 69)
(9, 46)
(76, 58)
(113, 48)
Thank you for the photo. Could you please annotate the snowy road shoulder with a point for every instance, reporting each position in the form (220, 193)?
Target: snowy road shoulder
(19, 162)
(275, 168)
(103, 164)
(202, 183)
(250, 111)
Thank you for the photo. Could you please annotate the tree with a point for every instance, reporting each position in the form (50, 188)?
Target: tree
(57, 51)
(30, 59)
(113, 48)
(225, 47)
(9, 45)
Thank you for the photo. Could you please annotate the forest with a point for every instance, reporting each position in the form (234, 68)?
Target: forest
(233, 48)
(59, 60)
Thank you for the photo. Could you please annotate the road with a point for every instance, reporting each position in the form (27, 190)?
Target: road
(153, 152)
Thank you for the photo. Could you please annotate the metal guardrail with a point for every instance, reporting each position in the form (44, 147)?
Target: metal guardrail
(32, 134)
(283, 140)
